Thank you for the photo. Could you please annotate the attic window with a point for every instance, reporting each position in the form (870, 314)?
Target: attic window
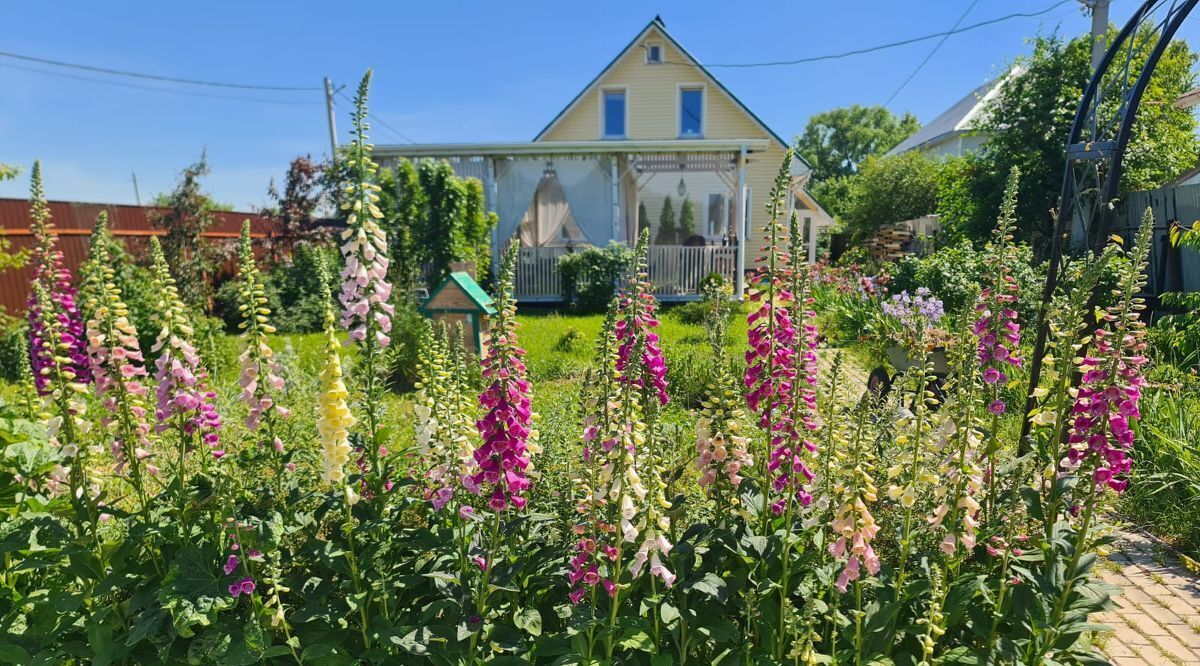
(653, 53)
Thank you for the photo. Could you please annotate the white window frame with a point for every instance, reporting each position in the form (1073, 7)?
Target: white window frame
(679, 89)
(603, 92)
(652, 45)
(728, 223)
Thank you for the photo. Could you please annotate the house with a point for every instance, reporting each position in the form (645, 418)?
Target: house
(654, 125)
(952, 133)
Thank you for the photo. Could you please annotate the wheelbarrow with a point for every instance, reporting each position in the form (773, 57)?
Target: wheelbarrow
(879, 382)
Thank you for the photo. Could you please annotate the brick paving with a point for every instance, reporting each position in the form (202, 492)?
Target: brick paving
(1157, 619)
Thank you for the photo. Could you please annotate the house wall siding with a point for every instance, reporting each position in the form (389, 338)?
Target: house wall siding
(651, 95)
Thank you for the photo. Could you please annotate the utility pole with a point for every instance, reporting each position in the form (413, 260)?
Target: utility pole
(137, 196)
(329, 113)
(1099, 9)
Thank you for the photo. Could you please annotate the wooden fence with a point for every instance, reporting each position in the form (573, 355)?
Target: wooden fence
(1171, 268)
(675, 271)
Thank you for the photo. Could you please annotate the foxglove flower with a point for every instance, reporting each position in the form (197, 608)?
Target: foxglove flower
(997, 331)
(334, 419)
(366, 293)
(184, 398)
(641, 377)
(1106, 402)
(445, 423)
(55, 280)
(594, 554)
(260, 377)
(509, 440)
(118, 368)
(63, 402)
(852, 492)
(783, 398)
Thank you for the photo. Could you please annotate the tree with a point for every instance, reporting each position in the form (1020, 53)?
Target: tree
(441, 238)
(404, 203)
(643, 219)
(891, 189)
(667, 233)
(837, 142)
(476, 228)
(1029, 119)
(187, 216)
(687, 219)
(303, 191)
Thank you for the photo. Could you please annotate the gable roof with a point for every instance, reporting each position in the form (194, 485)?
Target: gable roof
(958, 118)
(469, 286)
(658, 24)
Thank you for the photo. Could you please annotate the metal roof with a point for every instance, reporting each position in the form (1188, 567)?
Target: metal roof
(958, 118)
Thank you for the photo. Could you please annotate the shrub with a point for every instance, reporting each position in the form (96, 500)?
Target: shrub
(293, 292)
(590, 276)
(953, 274)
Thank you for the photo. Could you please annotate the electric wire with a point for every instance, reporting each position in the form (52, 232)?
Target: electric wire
(154, 77)
(929, 56)
(379, 121)
(123, 84)
(882, 47)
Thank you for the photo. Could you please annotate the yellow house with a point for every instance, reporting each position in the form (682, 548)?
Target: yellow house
(653, 129)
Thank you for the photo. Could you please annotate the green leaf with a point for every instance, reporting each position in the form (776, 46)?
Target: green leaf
(711, 585)
(636, 639)
(14, 654)
(530, 620)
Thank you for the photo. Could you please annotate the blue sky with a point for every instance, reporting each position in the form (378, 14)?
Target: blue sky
(446, 71)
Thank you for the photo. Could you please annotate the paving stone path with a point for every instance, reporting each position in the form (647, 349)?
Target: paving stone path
(1158, 616)
(1157, 619)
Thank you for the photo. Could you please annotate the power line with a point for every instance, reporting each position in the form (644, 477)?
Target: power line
(122, 84)
(154, 77)
(931, 52)
(379, 121)
(882, 47)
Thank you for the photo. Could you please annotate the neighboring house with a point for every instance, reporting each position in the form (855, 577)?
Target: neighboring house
(951, 133)
(654, 124)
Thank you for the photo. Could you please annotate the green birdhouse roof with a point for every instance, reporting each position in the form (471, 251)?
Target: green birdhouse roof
(443, 298)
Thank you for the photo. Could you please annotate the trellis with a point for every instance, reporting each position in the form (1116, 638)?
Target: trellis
(1096, 149)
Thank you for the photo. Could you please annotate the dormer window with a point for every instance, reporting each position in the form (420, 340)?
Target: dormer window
(653, 53)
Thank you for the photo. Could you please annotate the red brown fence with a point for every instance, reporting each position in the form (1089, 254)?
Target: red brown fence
(73, 225)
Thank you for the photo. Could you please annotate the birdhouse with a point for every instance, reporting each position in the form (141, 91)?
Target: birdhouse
(459, 298)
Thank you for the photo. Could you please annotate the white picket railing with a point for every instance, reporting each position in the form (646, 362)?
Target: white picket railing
(676, 271)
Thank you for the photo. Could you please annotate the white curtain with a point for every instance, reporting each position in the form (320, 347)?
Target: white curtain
(548, 213)
(587, 185)
(516, 183)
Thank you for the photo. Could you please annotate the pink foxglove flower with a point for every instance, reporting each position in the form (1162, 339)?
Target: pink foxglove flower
(117, 367)
(185, 400)
(509, 440)
(55, 279)
(366, 293)
(1106, 403)
(997, 329)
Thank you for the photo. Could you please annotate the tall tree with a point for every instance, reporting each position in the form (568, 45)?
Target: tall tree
(1030, 118)
(837, 142)
(404, 205)
(303, 191)
(187, 215)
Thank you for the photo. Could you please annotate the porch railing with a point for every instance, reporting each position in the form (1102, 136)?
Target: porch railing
(676, 271)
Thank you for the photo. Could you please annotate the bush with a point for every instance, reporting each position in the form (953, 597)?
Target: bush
(590, 276)
(953, 274)
(14, 348)
(293, 292)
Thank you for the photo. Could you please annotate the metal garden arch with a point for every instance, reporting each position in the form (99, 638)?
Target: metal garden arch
(1096, 146)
